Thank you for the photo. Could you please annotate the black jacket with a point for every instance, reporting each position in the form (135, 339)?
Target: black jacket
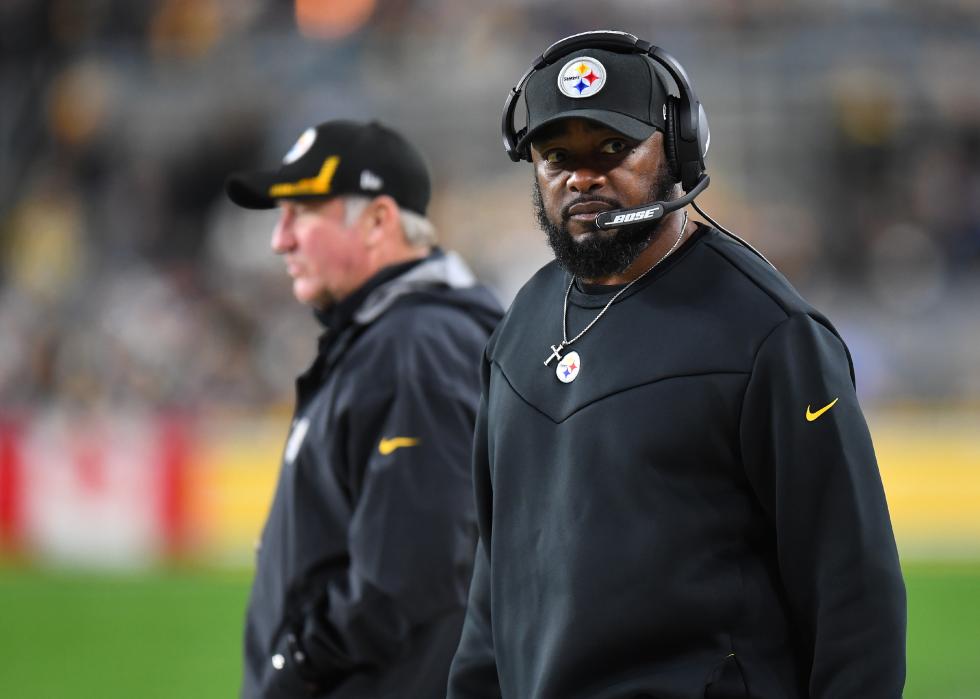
(687, 518)
(366, 555)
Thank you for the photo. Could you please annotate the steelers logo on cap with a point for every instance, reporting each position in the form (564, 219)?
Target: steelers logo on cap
(302, 145)
(581, 77)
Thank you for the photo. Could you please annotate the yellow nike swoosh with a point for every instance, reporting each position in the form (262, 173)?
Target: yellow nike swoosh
(810, 417)
(386, 446)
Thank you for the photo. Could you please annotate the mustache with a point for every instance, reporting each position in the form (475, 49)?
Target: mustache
(586, 199)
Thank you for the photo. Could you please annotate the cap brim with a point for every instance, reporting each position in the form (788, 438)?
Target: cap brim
(626, 125)
(251, 189)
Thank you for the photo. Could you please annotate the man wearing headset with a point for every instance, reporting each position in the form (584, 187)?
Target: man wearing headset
(677, 494)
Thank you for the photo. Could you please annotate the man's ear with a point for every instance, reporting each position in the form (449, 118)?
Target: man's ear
(381, 216)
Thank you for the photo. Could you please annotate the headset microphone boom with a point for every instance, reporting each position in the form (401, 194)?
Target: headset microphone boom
(617, 218)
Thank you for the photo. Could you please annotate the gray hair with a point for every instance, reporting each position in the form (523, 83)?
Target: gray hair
(417, 229)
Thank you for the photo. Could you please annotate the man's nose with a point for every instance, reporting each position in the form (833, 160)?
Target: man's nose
(583, 180)
(282, 235)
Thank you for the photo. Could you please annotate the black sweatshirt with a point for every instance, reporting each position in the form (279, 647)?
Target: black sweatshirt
(366, 555)
(698, 514)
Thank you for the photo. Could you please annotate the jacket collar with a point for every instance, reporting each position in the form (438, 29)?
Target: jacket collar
(381, 291)
(338, 316)
(438, 269)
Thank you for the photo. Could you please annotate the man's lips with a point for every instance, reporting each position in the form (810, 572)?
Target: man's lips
(587, 210)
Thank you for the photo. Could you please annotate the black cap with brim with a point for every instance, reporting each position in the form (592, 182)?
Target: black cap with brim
(336, 158)
(248, 189)
(626, 125)
(619, 90)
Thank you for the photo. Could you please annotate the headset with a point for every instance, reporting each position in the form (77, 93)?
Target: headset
(686, 133)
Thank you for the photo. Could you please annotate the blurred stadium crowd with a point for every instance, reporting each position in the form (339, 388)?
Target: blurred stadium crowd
(845, 144)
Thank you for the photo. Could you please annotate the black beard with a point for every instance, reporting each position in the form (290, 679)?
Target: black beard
(600, 253)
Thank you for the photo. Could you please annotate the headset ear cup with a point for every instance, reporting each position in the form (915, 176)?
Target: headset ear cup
(670, 139)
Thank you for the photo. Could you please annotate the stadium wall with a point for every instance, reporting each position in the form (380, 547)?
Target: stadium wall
(134, 491)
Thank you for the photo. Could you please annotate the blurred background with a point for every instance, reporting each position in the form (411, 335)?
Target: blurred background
(148, 338)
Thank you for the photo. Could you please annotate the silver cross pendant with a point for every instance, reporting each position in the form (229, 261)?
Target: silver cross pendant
(555, 353)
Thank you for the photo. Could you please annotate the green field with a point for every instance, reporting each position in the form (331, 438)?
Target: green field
(177, 634)
(140, 636)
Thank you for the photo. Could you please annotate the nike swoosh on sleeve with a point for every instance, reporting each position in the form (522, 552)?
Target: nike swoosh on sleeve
(386, 446)
(811, 416)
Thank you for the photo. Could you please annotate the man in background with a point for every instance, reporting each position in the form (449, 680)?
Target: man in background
(365, 558)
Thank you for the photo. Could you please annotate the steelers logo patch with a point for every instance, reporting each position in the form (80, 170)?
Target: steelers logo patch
(302, 145)
(581, 77)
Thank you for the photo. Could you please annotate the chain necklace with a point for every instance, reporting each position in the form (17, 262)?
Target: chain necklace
(569, 365)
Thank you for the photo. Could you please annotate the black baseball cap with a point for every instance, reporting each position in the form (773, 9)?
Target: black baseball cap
(340, 157)
(619, 90)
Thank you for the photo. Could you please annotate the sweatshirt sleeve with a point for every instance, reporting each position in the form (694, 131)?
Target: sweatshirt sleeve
(809, 457)
(410, 539)
(473, 674)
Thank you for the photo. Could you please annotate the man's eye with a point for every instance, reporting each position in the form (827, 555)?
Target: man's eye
(554, 156)
(614, 146)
